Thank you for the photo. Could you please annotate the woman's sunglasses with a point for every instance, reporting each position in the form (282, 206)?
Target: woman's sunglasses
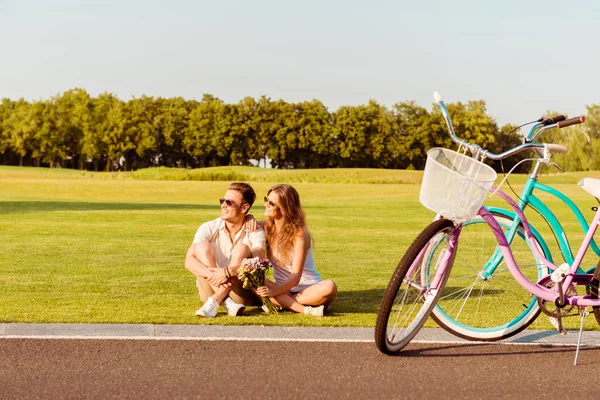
(270, 203)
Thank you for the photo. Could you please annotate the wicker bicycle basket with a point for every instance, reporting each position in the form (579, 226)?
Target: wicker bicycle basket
(455, 185)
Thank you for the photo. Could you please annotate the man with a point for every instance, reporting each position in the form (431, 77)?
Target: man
(218, 250)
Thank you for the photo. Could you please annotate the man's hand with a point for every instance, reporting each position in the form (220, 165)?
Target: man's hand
(217, 278)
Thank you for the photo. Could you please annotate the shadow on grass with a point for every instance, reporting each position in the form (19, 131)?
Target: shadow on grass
(365, 301)
(358, 301)
(7, 207)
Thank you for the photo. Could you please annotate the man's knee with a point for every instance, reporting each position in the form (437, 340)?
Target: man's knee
(239, 252)
(204, 253)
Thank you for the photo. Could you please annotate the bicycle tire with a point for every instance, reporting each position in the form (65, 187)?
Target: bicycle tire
(391, 336)
(497, 307)
(594, 291)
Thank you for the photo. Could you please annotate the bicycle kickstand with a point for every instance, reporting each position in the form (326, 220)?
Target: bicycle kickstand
(583, 311)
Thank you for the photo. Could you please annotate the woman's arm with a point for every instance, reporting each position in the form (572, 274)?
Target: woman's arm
(251, 224)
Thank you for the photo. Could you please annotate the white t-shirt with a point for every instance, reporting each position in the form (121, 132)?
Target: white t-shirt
(216, 233)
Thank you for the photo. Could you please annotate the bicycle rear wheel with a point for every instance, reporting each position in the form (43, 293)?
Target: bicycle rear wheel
(409, 297)
(482, 301)
(594, 291)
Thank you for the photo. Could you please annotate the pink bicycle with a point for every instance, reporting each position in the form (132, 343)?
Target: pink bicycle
(455, 185)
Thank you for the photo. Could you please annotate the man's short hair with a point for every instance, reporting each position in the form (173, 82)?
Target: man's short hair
(246, 190)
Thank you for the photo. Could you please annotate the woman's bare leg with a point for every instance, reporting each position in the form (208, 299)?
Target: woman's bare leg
(319, 294)
(285, 300)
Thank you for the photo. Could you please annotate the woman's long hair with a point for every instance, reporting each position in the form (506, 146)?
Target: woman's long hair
(293, 219)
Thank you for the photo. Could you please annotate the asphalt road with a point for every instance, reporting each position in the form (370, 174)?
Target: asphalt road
(196, 369)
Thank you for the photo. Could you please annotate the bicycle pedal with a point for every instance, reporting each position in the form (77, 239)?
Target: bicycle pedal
(557, 324)
(560, 273)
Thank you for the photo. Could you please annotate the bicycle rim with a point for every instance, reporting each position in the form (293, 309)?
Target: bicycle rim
(479, 307)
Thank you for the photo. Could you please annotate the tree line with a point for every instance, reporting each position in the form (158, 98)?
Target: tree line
(76, 130)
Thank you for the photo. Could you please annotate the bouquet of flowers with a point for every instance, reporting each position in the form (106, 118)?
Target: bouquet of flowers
(252, 275)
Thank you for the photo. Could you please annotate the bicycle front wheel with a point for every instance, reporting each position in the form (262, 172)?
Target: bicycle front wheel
(409, 297)
(482, 301)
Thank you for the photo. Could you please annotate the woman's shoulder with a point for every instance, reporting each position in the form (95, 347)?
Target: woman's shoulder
(302, 239)
(302, 233)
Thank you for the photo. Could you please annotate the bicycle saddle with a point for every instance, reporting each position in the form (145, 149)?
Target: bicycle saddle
(590, 185)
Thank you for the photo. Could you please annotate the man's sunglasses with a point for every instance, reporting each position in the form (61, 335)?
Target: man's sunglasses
(230, 203)
(270, 203)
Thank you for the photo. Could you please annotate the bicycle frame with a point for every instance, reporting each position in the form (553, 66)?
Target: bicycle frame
(555, 225)
(528, 198)
(545, 293)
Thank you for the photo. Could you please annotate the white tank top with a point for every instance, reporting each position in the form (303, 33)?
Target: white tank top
(310, 276)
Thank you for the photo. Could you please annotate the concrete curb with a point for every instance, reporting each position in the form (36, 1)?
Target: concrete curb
(262, 333)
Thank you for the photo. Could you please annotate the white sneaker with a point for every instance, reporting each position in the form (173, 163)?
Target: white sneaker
(209, 309)
(234, 309)
(316, 311)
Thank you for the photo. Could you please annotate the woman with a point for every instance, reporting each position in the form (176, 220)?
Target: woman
(298, 285)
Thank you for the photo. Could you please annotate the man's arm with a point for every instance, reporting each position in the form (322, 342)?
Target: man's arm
(259, 252)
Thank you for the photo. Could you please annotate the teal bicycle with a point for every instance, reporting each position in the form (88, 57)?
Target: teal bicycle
(481, 300)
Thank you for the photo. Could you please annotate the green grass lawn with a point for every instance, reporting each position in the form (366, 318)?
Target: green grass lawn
(109, 247)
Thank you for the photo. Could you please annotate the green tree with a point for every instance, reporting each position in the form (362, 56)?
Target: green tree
(590, 131)
(73, 109)
(243, 137)
(472, 123)
(268, 123)
(6, 105)
(413, 133)
(172, 123)
(115, 138)
(208, 137)
(315, 142)
(42, 122)
(96, 141)
(279, 134)
(361, 133)
(141, 129)
(17, 129)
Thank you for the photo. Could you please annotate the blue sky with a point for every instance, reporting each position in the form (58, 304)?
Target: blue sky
(521, 57)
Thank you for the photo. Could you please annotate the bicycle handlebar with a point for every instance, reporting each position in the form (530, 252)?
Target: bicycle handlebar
(547, 123)
(550, 121)
(556, 148)
(571, 121)
(541, 127)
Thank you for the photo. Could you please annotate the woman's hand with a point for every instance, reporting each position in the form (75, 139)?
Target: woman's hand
(263, 291)
(251, 225)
